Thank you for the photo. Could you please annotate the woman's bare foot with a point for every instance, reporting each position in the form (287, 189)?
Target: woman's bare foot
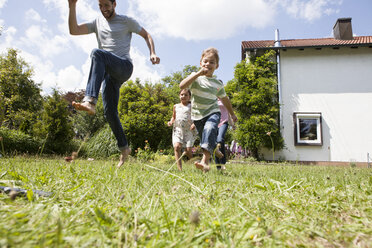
(123, 156)
(202, 166)
(85, 106)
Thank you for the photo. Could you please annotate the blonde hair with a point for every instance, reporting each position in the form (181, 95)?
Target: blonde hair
(213, 51)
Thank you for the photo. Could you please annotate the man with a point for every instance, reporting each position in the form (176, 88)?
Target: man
(111, 63)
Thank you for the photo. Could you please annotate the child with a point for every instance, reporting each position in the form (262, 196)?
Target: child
(183, 135)
(225, 121)
(204, 107)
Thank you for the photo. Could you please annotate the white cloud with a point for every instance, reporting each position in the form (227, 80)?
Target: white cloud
(7, 34)
(330, 11)
(66, 79)
(43, 70)
(144, 70)
(84, 8)
(200, 20)
(1, 26)
(310, 10)
(70, 79)
(85, 43)
(42, 39)
(2, 3)
(32, 15)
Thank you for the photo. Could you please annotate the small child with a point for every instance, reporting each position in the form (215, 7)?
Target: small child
(205, 112)
(225, 121)
(183, 127)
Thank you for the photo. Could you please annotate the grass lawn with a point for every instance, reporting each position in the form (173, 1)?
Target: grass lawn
(153, 205)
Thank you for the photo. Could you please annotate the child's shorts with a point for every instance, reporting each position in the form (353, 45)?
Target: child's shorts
(185, 136)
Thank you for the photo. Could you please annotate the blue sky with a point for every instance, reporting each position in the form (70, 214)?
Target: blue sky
(181, 29)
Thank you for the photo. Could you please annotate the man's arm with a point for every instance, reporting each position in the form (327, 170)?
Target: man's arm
(74, 28)
(150, 44)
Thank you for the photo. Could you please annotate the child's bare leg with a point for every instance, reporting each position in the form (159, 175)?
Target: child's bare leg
(177, 155)
(123, 156)
(189, 152)
(88, 107)
(204, 163)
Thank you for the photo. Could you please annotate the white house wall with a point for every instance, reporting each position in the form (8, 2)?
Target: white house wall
(337, 83)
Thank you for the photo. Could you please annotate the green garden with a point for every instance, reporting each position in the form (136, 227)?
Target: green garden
(152, 204)
(149, 203)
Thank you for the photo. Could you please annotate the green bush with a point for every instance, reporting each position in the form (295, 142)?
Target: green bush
(56, 124)
(15, 141)
(144, 111)
(102, 145)
(253, 93)
(20, 96)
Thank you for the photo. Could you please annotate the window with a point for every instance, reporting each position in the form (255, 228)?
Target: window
(308, 129)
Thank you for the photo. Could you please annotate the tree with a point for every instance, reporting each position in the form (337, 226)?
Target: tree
(173, 81)
(253, 93)
(20, 95)
(144, 111)
(56, 125)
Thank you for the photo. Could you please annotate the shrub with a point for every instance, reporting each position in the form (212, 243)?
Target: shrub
(18, 91)
(144, 111)
(102, 145)
(15, 141)
(56, 125)
(253, 93)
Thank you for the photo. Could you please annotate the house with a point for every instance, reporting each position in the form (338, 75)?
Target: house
(325, 95)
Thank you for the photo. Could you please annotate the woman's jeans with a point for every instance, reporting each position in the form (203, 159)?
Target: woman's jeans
(221, 139)
(208, 129)
(110, 72)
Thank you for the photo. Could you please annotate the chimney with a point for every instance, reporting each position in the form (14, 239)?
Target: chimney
(277, 39)
(342, 29)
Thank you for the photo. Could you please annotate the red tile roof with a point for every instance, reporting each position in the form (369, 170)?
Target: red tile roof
(303, 43)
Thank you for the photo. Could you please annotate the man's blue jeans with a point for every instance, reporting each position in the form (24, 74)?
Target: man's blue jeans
(208, 129)
(221, 139)
(109, 72)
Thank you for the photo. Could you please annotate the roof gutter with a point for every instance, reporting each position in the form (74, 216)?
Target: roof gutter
(307, 47)
(277, 44)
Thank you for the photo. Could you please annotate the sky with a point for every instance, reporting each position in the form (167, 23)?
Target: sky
(181, 29)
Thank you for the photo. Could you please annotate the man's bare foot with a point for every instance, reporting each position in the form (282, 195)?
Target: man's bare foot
(85, 106)
(123, 156)
(202, 166)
